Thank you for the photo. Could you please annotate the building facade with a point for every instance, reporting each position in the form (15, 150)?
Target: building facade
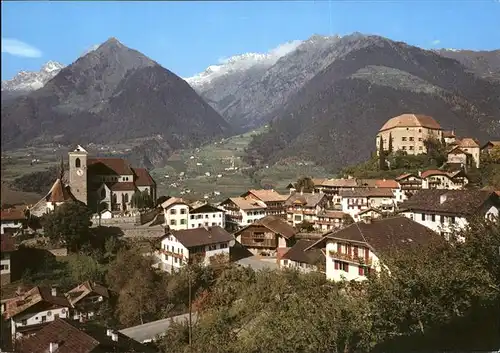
(409, 133)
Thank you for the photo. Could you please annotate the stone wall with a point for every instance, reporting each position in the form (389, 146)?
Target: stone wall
(148, 216)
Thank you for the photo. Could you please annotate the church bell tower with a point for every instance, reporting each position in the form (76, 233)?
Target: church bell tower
(78, 173)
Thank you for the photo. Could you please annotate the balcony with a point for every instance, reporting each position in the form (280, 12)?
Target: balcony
(173, 254)
(259, 242)
(350, 258)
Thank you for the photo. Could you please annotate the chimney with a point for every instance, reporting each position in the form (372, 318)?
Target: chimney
(419, 173)
(53, 291)
(114, 336)
(442, 199)
(53, 347)
(292, 191)
(109, 332)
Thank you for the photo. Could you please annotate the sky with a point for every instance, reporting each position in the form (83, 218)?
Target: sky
(186, 37)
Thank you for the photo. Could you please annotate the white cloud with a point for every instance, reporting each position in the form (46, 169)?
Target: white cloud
(18, 48)
(435, 42)
(285, 48)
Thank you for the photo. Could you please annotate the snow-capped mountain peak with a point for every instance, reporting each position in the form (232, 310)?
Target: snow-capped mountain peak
(242, 62)
(27, 81)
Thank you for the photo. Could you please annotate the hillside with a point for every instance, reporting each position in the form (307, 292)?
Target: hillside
(333, 119)
(112, 94)
(483, 63)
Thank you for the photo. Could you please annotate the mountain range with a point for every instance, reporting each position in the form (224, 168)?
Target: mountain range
(324, 98)
(111, 94)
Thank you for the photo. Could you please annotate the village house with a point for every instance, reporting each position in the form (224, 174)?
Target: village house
(357, 200)
(368, 214)
(206, 245)
(12, 219)
(206, 215)
(409, 183)
(443, 211)
(459, 159)
(409, 133)
(304, 261)
(86, 299)
(332, 187)
(98, 181)
(266, 235)
(439, 179)
(488, 146)
(470, 146)
(354, 251)
(241, 211)
(176, 213)
(275, 202)
(301, 206)
(328, 219)
(7, 248)
(32, 310)
(449, 137)
(65, 336)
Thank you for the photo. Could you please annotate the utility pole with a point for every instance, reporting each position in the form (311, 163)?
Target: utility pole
(190, 309)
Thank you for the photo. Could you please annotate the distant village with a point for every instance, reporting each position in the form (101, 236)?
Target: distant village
(337, 227)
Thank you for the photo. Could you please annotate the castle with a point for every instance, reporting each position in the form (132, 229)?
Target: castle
(96, 181)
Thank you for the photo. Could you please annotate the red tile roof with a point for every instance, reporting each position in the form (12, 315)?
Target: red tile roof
(13, 214)
(411, 120)
(143, 178)
(7, 243)
(59, 193)
(468, 142)
(74, 337)
(32, 297)
(107, 165)
(122, 186)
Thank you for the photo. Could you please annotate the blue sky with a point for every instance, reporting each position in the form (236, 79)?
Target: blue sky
(186, 37)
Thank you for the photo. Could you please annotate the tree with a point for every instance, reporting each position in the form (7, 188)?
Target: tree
(436, 151)
(306, 226)
(389, 150)
(142, 200)
(381, 154)
(347, 219)
(69, 224)
(304, 184)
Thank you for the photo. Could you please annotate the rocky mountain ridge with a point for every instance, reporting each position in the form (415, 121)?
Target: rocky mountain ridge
(111, 94)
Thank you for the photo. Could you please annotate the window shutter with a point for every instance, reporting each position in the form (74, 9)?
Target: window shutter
(349, 250)
(339, 248)
(367, 254)
(336, 265)
(346, 267)
(361, 272)
(355, 251)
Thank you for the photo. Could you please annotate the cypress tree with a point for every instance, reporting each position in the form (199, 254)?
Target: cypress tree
(381, 154)
(390, 144)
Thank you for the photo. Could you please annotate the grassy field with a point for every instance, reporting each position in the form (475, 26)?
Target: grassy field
(216, 171)
(212, 172)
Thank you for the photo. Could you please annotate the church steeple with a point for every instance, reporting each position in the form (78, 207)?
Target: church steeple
(61, 169)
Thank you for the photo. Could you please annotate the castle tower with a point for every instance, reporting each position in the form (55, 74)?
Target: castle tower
(78, 173)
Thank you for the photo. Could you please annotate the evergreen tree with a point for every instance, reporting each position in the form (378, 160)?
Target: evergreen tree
(381, 154)
(390, 144)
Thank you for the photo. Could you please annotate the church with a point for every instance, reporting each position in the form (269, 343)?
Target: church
(97, 180)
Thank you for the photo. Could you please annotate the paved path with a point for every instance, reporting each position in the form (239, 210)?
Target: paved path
(150, 330)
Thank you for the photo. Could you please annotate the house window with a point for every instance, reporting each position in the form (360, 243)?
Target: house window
(78, 163)
(44, 318)
(343, 266)
(420, 148)
(5, 267)
(433, 218)
(403, 138)
(56, 316)
(191, 217)
(125, 198)
(411, 138)
(419, 130)
(176, 260)
(411, 147)
(212, 247)
(183, 221)
(423, 216)
(452, 219)
(24, 322)
(285, 262)
(173, 211)
(223, 245)
(404, 148)
(363, 270)
(183, 211)
(173, 222)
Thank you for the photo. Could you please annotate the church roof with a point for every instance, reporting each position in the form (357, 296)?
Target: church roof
(59, 193)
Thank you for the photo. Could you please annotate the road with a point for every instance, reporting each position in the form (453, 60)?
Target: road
(259, 263)
(150, 330)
